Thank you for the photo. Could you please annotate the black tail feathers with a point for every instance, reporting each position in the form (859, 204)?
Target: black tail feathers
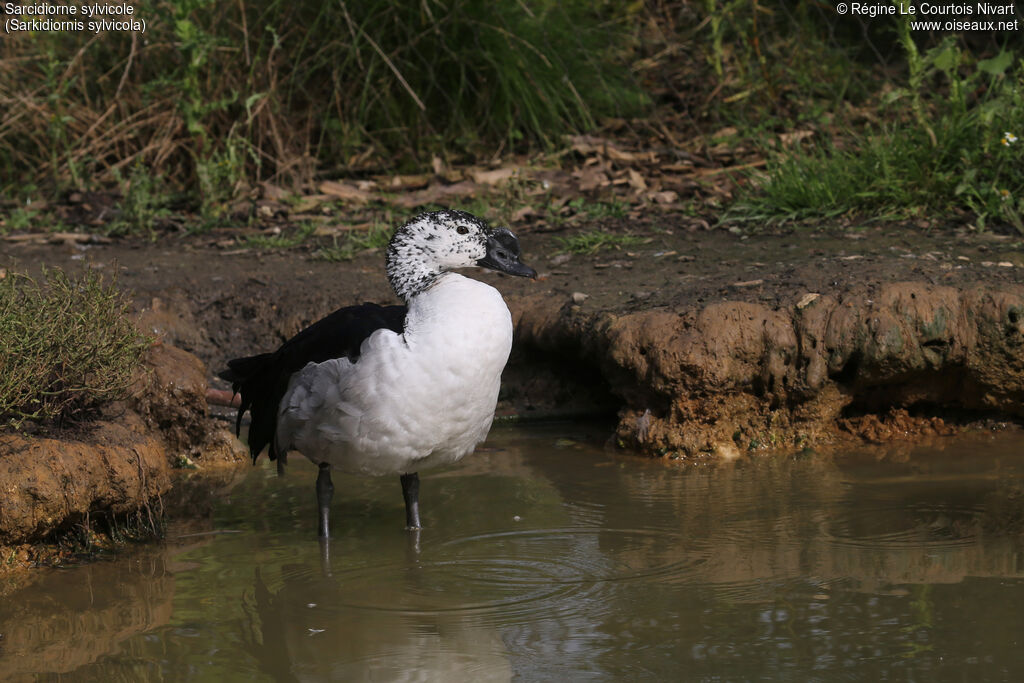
(256, 379)
(241, 369)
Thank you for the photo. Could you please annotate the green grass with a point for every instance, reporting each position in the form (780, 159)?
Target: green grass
(355, 241)
(583, 209)
(67, 346)
(144, 199)
(942, 154)
(20, 219)
(594, 241)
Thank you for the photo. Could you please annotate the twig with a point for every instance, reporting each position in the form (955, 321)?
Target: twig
(245, 32)
(352, 31)
(394, 69)
(128, 66)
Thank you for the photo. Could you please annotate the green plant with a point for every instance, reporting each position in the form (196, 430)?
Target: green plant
(593, 241)
(143, 198)
(20, 219)
(717, 14)
(376, 236)
(221, 175)
(614, 208)
(66, 347)
(583, 208)
(942, 152)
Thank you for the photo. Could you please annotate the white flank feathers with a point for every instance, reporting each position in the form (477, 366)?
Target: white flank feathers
(413, 400)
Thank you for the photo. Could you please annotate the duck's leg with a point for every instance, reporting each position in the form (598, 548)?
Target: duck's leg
(325, 555)
(324, 493)
(411, 493)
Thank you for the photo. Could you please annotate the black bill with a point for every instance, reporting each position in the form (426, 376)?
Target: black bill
(503, 255)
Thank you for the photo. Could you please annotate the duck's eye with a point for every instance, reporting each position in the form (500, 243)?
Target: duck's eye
(462, 230)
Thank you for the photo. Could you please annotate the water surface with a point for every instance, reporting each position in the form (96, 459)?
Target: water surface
(546, 557)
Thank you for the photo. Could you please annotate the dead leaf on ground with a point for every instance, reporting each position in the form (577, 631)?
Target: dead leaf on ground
(616, 154)
(344, 191)
(407, 182)
(339, 228)
(559, 202)
(587, 145)
(273, 192)
(491, 177)
(636, 181)
(435, 194)
(664, 197)
(706, 172)
(591, 178)
(310, 202)
(522, 213)
(806, 300)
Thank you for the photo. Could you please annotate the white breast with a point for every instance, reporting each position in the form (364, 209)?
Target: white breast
(413, 400)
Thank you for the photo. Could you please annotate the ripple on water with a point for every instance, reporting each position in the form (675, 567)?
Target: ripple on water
(514, 575)
(896, 527)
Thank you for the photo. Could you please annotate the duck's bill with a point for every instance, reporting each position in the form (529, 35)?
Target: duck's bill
(503, 255)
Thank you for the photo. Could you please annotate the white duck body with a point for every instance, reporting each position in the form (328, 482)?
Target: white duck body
(418, 399)
(391, 389)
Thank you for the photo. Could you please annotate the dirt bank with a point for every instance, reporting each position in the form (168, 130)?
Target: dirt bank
(734, 376)
(700, 341)
(119, 465)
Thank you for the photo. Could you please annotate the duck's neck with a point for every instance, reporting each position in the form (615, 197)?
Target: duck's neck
(410, 268)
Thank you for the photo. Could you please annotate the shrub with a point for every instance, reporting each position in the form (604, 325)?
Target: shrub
(66, 347)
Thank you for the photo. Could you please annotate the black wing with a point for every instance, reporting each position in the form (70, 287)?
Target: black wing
(262, 380)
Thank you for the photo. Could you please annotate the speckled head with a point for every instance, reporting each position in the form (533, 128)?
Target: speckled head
(433, 243)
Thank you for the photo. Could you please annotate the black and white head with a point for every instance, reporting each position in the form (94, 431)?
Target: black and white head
(433, 243)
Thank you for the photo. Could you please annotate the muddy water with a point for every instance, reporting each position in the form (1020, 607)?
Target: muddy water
(545, 557)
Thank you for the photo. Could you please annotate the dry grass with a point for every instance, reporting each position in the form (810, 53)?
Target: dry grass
(217, 95)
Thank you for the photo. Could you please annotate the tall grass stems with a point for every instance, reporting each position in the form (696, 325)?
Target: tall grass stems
(217, 93)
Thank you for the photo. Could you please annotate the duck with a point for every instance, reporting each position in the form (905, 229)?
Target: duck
(391, 389)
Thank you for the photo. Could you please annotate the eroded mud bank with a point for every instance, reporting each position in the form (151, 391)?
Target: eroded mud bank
(733, 376)
(121, 464)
